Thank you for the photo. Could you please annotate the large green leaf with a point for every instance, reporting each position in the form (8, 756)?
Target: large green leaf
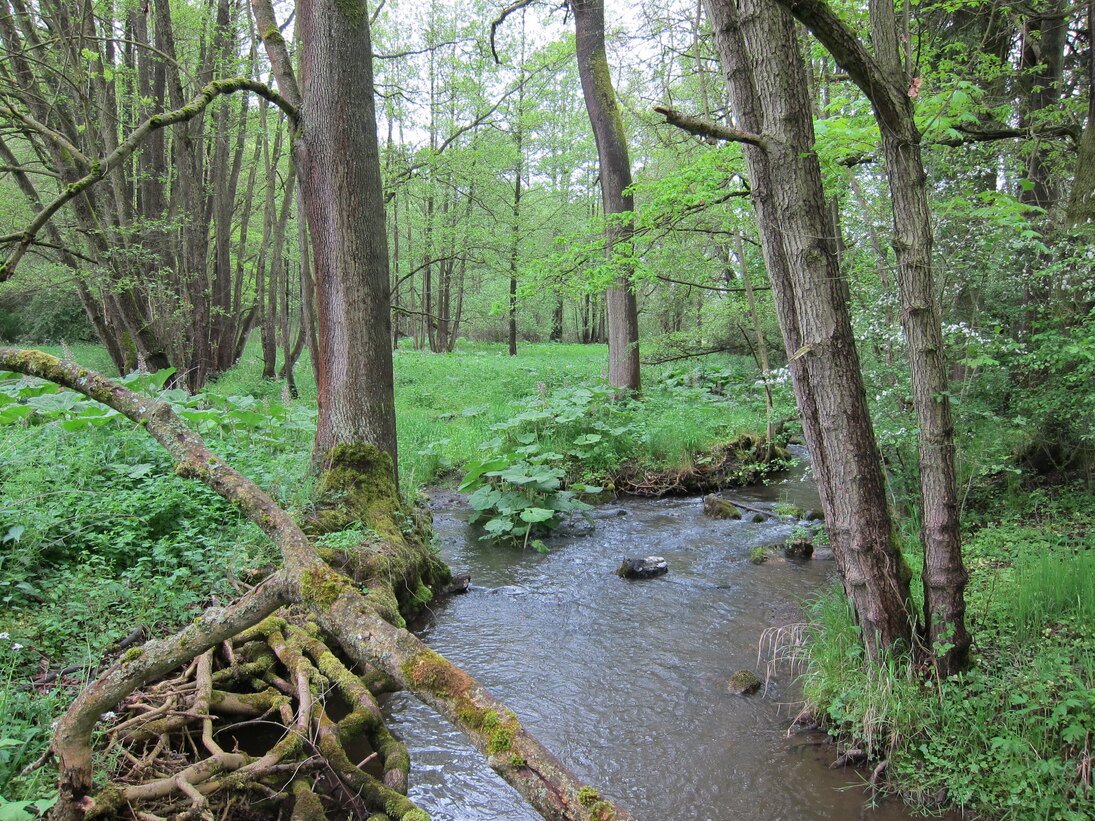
(536, 514)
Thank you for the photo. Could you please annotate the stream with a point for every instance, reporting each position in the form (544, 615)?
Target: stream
(626, 681)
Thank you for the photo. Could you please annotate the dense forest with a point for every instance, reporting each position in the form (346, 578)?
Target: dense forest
(329, 253)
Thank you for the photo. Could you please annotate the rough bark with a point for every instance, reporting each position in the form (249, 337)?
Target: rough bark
(615, 166)
(885, 84)
(345, 206)
(1081, 201)
(332, 599)
(767, 79)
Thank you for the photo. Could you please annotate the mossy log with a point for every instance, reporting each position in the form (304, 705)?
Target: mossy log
(324, 618)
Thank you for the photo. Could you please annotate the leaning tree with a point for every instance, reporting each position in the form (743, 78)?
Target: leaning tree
(327, 625)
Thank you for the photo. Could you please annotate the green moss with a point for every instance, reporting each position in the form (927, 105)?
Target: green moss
(355, 11)
(358, 486)
(517, 761)
(322, 586)
(307, 806)
(416, 815)
(422, 594)
(602, 811)
(588, 796)
(499, 731)
(132, 654)
(470, 716)
(429, 671)
(108, 803)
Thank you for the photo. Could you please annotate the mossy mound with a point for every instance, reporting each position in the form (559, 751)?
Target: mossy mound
(745, 461)
(388, 555)
(718, 508)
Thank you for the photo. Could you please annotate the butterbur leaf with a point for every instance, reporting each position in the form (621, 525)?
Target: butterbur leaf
(484, 498)
(477, 469)
(11, 413)
(498, 525)
(536, 514)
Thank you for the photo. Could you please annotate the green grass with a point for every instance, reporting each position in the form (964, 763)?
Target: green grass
(1014, 737)
(446, 404)
(99, 534)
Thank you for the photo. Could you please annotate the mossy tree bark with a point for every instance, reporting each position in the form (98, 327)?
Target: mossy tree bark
(323, 594)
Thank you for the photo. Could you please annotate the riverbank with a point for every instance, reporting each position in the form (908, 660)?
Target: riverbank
(1012, 738)
(100, 535)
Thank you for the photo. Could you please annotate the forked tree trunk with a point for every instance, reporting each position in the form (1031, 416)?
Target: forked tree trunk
(882, 79)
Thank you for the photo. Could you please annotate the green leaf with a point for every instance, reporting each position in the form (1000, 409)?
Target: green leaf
(11, 413)
(588, 439)
(478, 469)
(498, 525)
(536, 514)
(484, 498)
(15, 811)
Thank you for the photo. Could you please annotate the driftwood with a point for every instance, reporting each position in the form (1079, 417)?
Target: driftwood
(318, 603)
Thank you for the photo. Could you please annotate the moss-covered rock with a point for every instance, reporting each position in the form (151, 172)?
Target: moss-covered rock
(743, 683)
(718, 508)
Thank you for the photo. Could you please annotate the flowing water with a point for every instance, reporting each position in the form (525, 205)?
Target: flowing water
(626, 680)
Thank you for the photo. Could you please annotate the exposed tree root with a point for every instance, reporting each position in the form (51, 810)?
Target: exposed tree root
(734, 464)
(330, 646)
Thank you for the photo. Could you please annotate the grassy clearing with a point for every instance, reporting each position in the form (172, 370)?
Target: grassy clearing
(447, 405)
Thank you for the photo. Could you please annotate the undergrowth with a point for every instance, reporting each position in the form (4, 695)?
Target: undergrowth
(1011, 738)
(99, 535)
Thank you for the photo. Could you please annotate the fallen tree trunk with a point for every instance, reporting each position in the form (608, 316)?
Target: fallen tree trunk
(360, 624)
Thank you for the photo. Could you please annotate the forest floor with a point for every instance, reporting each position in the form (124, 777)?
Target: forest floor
(99, 535)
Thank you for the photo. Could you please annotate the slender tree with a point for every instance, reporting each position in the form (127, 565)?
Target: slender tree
(882, 77)
(619, 203)
(767, 80)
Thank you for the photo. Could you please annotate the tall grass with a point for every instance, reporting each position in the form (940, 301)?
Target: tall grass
(1013, 737)
(1049, 587)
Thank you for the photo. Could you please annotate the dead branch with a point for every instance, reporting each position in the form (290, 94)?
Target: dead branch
(706, 128)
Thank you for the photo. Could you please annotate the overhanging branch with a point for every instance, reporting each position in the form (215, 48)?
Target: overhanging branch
(98, 169)
(706, 128)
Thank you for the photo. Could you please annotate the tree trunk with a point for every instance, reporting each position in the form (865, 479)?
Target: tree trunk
(1081, 201)
(345, 207)
(886, 85)
(608, 131)
(767, 78)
